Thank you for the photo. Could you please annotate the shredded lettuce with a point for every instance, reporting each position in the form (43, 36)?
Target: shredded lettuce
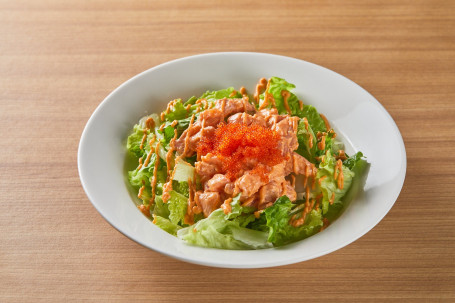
(280, 231)
(160, 208)
(166, 225)
(177, 204)
(226, 231)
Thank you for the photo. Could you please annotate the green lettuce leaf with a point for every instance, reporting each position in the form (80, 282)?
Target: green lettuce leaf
(329, 184)
(314, 119)
(353, 160)
(304, 136)
(134, 141)
(177, 205)
(220, 94)
(181, 187)
(176, 112)
(143, 176)
(277, 85)
(160, 208)
(225, 231)
(280, 231)
(166, 225)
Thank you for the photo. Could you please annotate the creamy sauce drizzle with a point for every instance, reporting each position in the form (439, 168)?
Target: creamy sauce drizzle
(227, 206)
(145, 209)
(286, 96)
(321, 179)
(267, 98)
(147, 160)
(321, 144)
(140, 164)
(155, 170)
(187, 138)
(242, 90)
(341, 155)
(326, 122)
(168, 185)
(141, 190)
(338, 174)
(260, 87)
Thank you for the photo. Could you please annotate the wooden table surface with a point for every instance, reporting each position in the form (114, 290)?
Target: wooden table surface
(59, 59)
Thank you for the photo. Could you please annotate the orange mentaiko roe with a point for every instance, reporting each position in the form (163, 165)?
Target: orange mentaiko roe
(239, 146)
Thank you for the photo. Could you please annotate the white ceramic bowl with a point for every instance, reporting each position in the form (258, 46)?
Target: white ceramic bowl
(358, 118)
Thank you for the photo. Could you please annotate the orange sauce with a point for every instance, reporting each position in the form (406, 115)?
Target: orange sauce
(260, 87)
(168, 185)
(234, 92)
(140, 164)
(147, 160)
(321, 144)
(286, 96)
(150, 123)
(141, 190)
(325, 223)
(341, 155)
(242, 90)
(155, 171)
(192, 208)
(267, 98)
(321, 179)
(326, 122)
(143, 139)
(338, 174)
(145, 209)
(310, 140)
(187, 138)
(305, 122)
(227, 206)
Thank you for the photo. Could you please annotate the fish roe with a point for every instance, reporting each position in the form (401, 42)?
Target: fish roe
(240, 146)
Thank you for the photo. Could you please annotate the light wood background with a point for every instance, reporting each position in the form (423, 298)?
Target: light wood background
(59, 59)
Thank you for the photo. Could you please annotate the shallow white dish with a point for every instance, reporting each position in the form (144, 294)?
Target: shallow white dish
(358, 118)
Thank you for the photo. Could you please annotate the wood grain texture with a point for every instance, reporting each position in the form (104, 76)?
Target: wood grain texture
(59, 59)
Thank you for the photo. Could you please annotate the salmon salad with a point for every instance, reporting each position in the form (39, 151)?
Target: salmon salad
(237, 170)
